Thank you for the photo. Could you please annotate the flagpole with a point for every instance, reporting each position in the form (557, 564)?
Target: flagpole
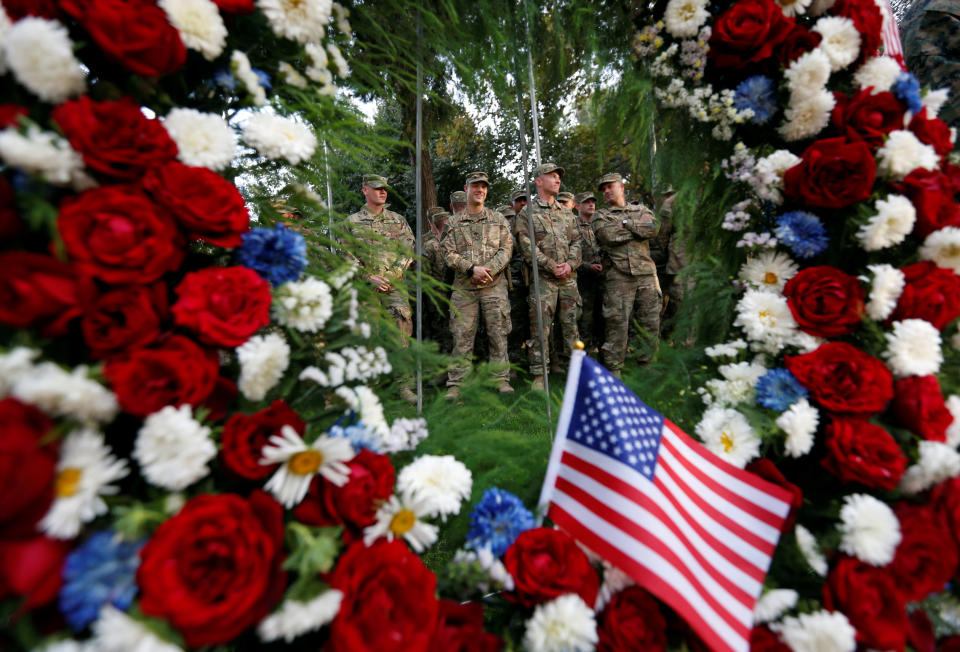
(419, 191)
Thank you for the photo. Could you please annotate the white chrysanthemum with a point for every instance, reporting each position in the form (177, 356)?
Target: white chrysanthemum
(203, 139)
(277, 137)
(739, 379)
(295, 618)
(199, 24)
(841, 40)
(401, 517)
(765, 318)
(808, 75)
(773, 603)
(304, 305)
(805, 342)
(799, 422)
(953, 430)
(807, 117)
(878, 73)
(885, 290)
(84, 472)
(902, 153)
(769, 271)
(443, 480)
(242, 70)
(943, 248)
(299, 20)
(173, 448)
(565, 624)
(726, 433)
(299, 462)
(810, 550)
(263, 359)
(291, 75)
(934, 101)
(892, 223)
(913, 348)
(614, 581)
(115, 631)
(937, 462)
(39, 53)
(15, 364)
(66, 394)
(683, 18)
(869, 528)
(405, 434)
(820, 631)
(44, 154)
(343, 70)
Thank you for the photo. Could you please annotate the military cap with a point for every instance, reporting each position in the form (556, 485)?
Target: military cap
(375, 181)
(439, 216)
(581, 197)
(458, 197)
(507, 210)
(477, 177)
(517, 194)
(564, 196)
(609, 178)
(433, 210)
(547, 168)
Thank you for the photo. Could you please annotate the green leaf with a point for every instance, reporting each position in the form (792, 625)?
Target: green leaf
(136, 520)
(313, 549)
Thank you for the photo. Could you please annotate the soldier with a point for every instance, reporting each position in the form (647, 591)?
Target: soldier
(566, 199)
(590, 276)
(518, 199)
(517, 291)
(558, 256)
(931, 45)
(668, 253)
(477, 245)
(436, 317)
(458, 201)
(630, 280)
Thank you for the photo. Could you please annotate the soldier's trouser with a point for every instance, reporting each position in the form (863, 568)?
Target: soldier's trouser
(590, 287)
(623, 296)
(465, 307)
(399, 308)
(518, 318)
(558, 299)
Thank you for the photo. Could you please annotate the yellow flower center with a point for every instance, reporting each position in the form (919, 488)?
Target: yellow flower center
(951, 251)
(727, 441)
(403, 522)
(770, 278)
(67, 482)
(764, 314)
(688, 11)
(305, 462)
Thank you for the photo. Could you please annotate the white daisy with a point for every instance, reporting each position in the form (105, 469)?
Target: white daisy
(39, 53)
(727, 433)
(773, 603)
(799, 422)
(14, 365)
(892, 223)
(953, 430)
(203, 139)
(299, 20)
(405, 434)
(913, 348)
(294, 618)
(299, 462)
(810, 550)
(343, 70)
(44, 154)
(934, 101)
(277, 137)
(769, 271)
(291, 75)
(869, 528)
(841, 40)
(242, 70)
(765, 318)
(885, 290)
(565, 624)
(342, 14)
(683, 18)
(199, 24)
(304, 305)
(401, 517)
(937, 462)
(440, 479)
(878, 73)
(902, 153)
(820, 631)
(943, 248)
(173, 449)
(115, 631)
(794, 7)
(808, 75)
(66, 394)
(614, 581)
(85, 471)
(263, 360)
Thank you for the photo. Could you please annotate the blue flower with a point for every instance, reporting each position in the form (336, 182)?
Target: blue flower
(359, 436)
(907, 90)
(758, 93)
(263, 78)
(225, 78)
(497, 520)
(778, 389)
(100, 571)
(278, 254)
(803, 233)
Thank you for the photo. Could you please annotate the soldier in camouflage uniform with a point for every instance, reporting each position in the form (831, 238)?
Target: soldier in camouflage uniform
(630, 280)
(566, 199)
(558, 256)
(436, 318)
(477, 245)
(668, 253)
(458, 201)
(931, 45)
(590, 276)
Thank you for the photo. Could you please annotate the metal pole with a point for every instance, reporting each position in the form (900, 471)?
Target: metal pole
(326, 164)
(533, 87)
(419, 186)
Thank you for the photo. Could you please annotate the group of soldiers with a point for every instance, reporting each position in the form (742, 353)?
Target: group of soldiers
(584, 260)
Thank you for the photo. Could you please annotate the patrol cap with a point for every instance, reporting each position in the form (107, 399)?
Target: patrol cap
(547, 168)
(433, 210)
(458, 197)
(517, 194)
(477, 177)
(506, 210)
(609, 178)
(375, 181)
(439, 216)
(564, 196)
(581, 197)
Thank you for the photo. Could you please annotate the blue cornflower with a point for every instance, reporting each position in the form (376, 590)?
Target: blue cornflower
(758, 93)
(263, 78)
(803, 233)
(907, 90)
(278, 254)
(778, 389)
(225, 78)
(497, 520)
(101, 571)
(359, 436)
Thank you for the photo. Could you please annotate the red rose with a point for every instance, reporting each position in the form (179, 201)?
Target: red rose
(223, 306)
(174, 372)
(949, 644)
(207, 206)
(37, 291)
(946, 499)
(245, 435)
(10, 115)
(867, 117)
(224, 393)
(135, 33)
(18, 9)
(353, 505)
(868, 20)
(769, 471)
(213, 569)
(235, 6)
(388, 600)
(748, 32)
(934, 132)
(919, 407)
(632, 621)
(869, 598)
(460, 629)
(114, 137)
(920, 635)
(10, 223)
(825, 301)
(764, 640)
(546, 563)
(843, 379)
(119, 235)
(123, 319)
(932, 193)
(929, 292)
(27, 468)
(926, 558)
(832, 173)
(30, 570)
(859, 451)
(799, 41)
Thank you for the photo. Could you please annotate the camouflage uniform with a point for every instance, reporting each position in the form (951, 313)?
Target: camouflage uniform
(590, 286)
(436, 318)
(931, 46)
(517, 291)
(668, 254)
(478, 239)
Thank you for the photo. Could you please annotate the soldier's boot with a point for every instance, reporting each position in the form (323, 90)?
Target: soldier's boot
(504, 387)
(452, 393)
(408, 395)
(537, 384)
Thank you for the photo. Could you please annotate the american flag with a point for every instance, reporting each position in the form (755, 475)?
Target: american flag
(692, 529)
(892, 46)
